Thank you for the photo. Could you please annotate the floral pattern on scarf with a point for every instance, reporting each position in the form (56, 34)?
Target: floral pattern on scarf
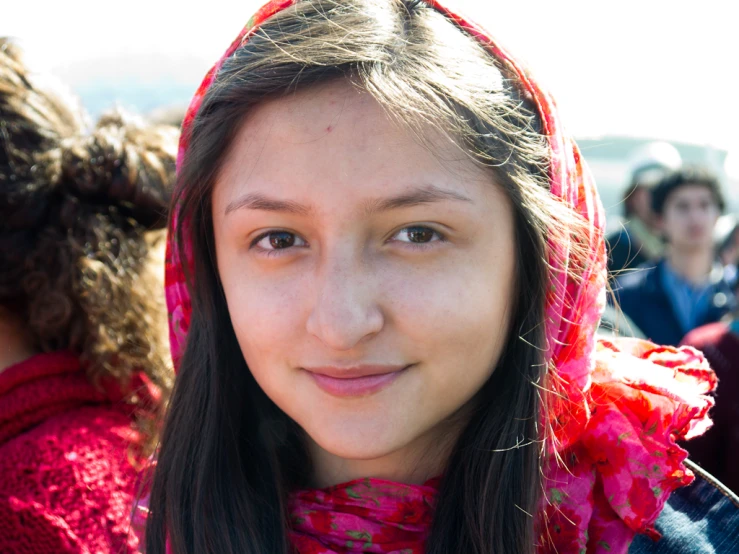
(366, 515)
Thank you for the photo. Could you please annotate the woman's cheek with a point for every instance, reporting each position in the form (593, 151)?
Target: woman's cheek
(455, 310)
(459, 288)
(264, 312)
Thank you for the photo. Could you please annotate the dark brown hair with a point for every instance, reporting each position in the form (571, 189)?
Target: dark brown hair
(229, 457)
(689, 175)
(76, 211)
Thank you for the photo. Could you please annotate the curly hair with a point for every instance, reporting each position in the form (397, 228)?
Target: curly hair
(81, 215)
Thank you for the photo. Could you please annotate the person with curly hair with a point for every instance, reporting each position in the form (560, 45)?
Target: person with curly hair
(83, 348)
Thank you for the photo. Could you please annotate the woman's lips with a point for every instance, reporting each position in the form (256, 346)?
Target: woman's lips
(359, 381)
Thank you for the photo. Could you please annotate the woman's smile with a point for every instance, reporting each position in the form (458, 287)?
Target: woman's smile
(357, 380)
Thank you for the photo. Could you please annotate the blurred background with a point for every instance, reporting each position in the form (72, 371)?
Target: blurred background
(625, 74)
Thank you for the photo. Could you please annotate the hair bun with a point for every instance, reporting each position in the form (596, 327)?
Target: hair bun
(47, 160)
(124, 162)
(33, 120)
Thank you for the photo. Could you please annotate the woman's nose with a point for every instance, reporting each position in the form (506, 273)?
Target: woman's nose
(345, 308)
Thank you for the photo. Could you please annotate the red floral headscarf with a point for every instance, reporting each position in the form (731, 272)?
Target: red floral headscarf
(615, 410)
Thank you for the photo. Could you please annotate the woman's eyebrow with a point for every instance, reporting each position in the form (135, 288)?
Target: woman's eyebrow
(420, 195)
(414, 197)
(259, 201)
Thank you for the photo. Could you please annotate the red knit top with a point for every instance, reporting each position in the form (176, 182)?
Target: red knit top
(66, 485)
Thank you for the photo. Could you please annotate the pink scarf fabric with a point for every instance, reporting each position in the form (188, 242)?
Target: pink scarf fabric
(615, 409)
(367, 515)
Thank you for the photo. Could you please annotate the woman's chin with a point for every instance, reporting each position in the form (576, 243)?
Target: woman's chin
(360, 440)
(357, 445)
(340, 458)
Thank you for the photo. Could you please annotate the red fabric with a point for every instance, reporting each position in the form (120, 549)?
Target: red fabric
(66, 483)
(718, 450)
(365, 515)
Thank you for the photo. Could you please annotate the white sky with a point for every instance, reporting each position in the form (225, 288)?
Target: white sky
(633, 67)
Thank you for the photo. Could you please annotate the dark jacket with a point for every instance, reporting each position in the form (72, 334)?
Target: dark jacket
(717, 451)
(700, 518)
(623, 252)
(642, 297)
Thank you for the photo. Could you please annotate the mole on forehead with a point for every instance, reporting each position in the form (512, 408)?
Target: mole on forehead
(319, 108)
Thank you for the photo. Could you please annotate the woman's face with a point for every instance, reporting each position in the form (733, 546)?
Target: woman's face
(369, 284)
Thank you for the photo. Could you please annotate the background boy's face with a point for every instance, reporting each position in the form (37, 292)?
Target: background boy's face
(688, 217)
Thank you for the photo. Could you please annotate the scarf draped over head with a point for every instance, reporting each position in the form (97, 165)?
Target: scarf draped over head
(614, 410)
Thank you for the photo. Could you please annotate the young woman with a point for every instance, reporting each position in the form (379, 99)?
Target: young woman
(83, 356)
(385, 272)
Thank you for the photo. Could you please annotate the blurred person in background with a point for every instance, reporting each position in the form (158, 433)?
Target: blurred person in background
(639, 240)
(718, 450)
(687, 287)
(83, 355)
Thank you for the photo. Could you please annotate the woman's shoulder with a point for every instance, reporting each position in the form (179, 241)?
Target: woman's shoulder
(83, 442)
(72, 478)
(702, 517)
(29, 528)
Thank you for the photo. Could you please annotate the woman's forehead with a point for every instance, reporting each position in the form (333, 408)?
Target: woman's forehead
(337, 139)
(324, 111)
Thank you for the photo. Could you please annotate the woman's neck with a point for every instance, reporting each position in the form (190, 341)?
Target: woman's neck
(693, 265)
(16, 344)
(414, 464)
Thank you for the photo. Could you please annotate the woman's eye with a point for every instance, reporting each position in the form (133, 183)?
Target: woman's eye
(278, 240)
(418, 234)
